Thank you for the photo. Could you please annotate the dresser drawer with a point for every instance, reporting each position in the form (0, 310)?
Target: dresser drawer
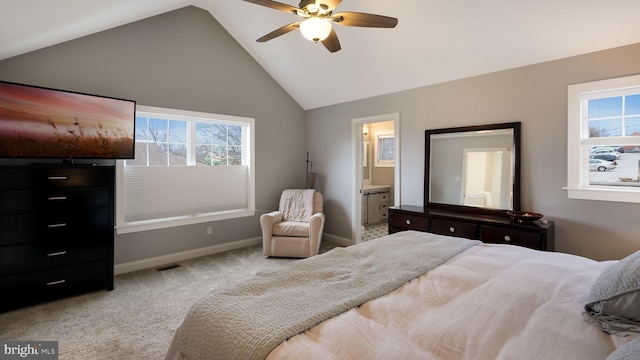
(498, 235)
(71, 198)
(17, 228)
(77, 222)
(66, 177)
(16, 259)
(400, 221)
(18, 199)
(20, 290)
(17, 178)
(454, 228)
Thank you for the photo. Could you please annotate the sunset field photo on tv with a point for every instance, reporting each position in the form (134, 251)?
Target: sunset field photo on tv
(39, 122)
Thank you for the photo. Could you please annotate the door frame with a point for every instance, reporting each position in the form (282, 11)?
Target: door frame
(357, 141)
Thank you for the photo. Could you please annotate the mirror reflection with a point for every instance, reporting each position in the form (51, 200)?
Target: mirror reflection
(473, 168)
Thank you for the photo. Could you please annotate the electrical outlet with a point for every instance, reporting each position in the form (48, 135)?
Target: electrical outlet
(209, 230)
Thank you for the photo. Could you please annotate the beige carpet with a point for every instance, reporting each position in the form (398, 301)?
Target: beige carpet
(138, 318)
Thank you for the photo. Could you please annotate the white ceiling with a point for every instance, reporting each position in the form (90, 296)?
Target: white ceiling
(435, 40)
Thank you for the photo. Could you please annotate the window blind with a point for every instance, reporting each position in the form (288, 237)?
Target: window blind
(183, 191)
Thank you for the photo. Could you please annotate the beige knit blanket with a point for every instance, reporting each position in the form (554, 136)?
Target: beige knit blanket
(296, 204)
(249, 319)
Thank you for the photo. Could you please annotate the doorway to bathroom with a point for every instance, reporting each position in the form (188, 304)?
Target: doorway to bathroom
(377, 172)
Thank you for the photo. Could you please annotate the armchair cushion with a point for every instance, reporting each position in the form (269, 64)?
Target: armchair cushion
(291, 228)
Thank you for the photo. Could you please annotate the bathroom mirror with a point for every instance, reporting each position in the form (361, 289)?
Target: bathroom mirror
(473, 168)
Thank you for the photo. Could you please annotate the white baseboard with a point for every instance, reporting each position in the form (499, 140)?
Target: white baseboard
(209, 250)
(339, 240)
(182, 256)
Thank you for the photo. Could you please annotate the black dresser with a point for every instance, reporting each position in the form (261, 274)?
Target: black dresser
(491, 229)
(56, 232)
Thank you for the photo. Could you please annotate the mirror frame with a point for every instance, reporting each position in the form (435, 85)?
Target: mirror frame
(430, 206)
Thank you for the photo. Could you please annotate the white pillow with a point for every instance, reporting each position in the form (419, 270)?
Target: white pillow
(614, 300)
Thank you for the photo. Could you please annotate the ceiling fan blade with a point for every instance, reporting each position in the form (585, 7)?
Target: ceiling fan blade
(275, 5)
(348, 18)
(331, 42)
(280, 31)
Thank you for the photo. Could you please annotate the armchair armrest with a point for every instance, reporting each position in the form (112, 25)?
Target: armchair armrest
(316, 226)
(315, 221)
(272, 217)
(266, 224)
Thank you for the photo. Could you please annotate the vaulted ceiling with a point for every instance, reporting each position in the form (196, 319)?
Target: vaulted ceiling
(435, 40)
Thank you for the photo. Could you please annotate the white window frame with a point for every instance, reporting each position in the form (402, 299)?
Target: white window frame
(376, 149)
(578, 141)
(123, 226)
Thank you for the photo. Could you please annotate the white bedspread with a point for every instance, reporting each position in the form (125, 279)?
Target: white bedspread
(489, 302)
(249, 319)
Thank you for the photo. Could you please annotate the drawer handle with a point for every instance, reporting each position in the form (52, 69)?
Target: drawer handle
(57, 225)
(452, 229)
(56, 282)
(507, 238)
(57, 253)
(408, 222)
(53, 198)
(57, 178)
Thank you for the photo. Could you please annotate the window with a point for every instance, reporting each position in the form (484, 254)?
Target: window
(604, 140)
(384, 149)
(189, 167)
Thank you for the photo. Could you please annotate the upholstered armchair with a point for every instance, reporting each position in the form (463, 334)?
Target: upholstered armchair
(295, 230)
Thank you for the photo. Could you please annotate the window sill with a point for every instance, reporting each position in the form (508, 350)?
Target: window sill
(607, 194)
(155, 224)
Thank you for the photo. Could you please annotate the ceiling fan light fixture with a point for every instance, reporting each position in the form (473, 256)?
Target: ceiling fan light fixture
(317, 18)
(315, 29)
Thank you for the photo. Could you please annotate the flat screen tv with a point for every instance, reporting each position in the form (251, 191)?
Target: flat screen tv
(38, 122)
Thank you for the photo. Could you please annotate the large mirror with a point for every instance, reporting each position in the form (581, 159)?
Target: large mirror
(473, 168)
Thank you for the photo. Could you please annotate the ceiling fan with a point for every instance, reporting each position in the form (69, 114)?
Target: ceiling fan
(317, 20)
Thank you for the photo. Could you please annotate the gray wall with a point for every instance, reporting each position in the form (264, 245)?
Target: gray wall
(184, 60)
(536, 95)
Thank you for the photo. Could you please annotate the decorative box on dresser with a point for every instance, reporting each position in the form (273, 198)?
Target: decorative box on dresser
(487, 228)
(56, 232)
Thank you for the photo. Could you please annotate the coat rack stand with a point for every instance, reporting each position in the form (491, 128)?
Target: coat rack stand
(311, 176)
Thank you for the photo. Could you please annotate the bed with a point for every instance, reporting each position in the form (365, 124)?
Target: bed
(416, 295)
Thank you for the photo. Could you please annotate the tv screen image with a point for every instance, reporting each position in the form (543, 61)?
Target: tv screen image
(37, 122)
